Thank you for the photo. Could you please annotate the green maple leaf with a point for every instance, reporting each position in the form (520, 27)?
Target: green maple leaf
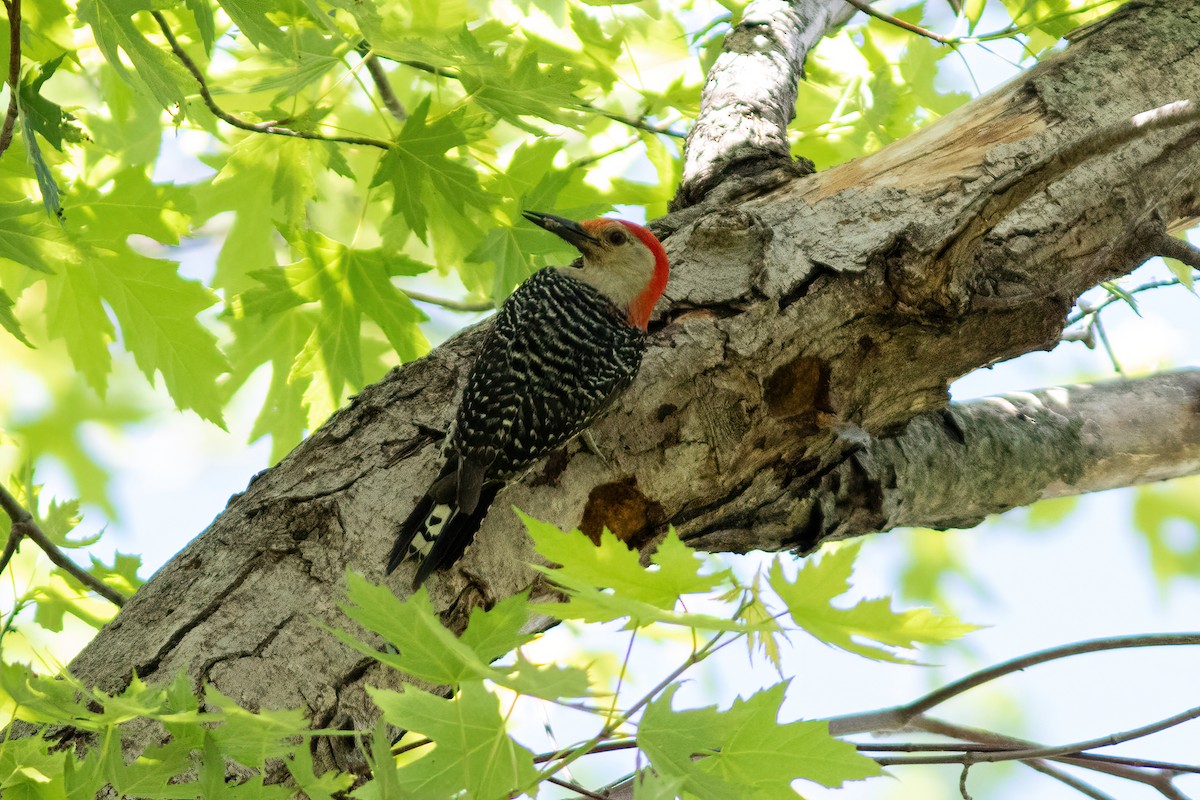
(28, 238)
(75, 314)
(810, 597)
(252, 737)
(644, 595)
(425, 648)
(155, 70)
(45, 116)
(156, 308)
(746, 752)
(513, 91)
(613, 565)
(417, 165)
(251, 18)
(368, 274)
(8, 320)
(473, 751)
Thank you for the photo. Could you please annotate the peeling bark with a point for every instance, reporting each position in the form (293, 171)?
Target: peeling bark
(803, 328)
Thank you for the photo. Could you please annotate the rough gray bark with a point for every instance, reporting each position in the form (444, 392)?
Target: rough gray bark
(750, 94)
(800, 324)
(953, 467)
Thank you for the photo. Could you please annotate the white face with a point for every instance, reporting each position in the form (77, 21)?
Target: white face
(620, 266)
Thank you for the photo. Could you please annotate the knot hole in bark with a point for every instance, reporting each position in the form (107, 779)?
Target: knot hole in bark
(621, 507)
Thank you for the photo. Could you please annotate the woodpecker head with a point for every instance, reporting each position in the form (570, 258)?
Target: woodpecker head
(621, 259)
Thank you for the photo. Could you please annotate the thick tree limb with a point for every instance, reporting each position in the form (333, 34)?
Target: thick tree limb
(750, 95)
(802, 329)
(954, 467)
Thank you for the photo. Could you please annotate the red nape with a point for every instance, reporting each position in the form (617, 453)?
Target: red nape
(643, 304)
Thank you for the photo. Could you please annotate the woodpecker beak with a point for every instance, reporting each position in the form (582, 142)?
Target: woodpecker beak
(567, 229)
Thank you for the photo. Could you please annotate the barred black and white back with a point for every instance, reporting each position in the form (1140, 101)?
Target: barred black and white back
(556, 356)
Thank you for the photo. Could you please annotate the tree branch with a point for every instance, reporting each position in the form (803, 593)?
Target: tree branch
(23, 525)
(955, 467)
(14, 73)
(1169, 246)
(379, 75)
(750, 94)
(900, 716)
(865, 7)
(273, 128)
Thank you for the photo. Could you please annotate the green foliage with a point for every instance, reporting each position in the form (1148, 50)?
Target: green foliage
(458, 741)
(810, 597)
(749, 753)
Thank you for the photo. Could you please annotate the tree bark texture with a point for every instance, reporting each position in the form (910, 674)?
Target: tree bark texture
(795, 390)
(750, 93)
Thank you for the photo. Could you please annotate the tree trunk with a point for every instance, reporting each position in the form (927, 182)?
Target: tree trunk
(807, 321)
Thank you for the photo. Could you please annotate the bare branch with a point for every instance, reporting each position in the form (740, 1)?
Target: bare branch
(1089, 310)
(899, 717)
(1055, 751)
(750, 94)
(386, 93)
(14, 72)
(256, 127)
(865, 7)
(1169, 246)
(1083, 787)
(955, 467)
(23, 525)
(1161, 781)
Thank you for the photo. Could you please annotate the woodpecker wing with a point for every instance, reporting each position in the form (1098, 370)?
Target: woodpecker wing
(566, 352)
(556, 356)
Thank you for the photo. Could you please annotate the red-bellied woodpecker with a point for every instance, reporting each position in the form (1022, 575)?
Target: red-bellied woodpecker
(562, 347)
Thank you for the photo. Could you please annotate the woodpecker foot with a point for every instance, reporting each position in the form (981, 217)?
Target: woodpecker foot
(437, 434)
(590, 443)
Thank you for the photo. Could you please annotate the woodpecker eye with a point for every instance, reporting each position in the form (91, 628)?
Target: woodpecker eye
(616, 238)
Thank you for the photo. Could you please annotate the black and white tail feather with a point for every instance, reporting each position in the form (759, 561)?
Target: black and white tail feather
(439, 529)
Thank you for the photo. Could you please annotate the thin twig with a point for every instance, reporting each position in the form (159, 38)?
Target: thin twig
(14, 72)
(1024, 662)
(386, 93)
(1005, 33)
(639, 124)
(1179, 249)
(575, 787)
(865, 7)
(1066, 778)
(604, 747)
(1159, 780)
(10, 547)
(411, 746)
(1089, 310)
(1030, 753)
(453, 305)
(237, 122)
(23, 525)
